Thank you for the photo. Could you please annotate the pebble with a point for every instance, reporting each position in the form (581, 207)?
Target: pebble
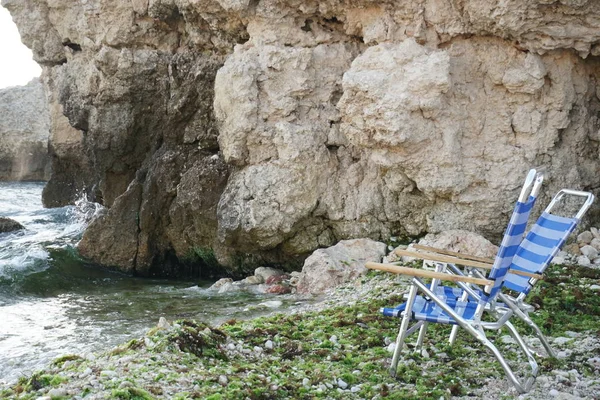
(355, 389)
(333, 339)
(269, 345)
(223, 380)
(57, 392)
(585, 237)
(583, 260)
(561, 340)
(589, 251)
(341, 384)
(231, 346)
(109, 374)
(391, 347)
(595, 287)
(553, 393)
(258, 349)
(306, 382)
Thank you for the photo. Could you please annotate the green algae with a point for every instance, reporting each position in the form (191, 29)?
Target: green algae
(312, 352)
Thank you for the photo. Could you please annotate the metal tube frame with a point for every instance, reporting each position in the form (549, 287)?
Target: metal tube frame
(474, 327)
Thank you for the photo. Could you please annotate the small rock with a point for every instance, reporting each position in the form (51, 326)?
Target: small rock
(558, 260)
(9, 225)
(583, 260)
(425, 354)
(57, 393)
(391, 347)
(387, 341)
(573, 249)
(253, 280)
(341, 384)
(278, 289)
(269, 345)
(231, 346)
(125, 384)
(507, 339)
(562, 340)
(306, 382)
(270, 304)
(265, 272)
(595, 287)
(109, 374)
(355, 389)
(333, 339)
(572, 334)
(595, 243)
(589, 251)
(595, 233)
(220, 283)
(258, 349)
(276, 279)
(553, 393)
(223, 380)
(163, 323)
(585, 237)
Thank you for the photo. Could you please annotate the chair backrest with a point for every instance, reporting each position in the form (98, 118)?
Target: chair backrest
(543, 242)
(513, 234)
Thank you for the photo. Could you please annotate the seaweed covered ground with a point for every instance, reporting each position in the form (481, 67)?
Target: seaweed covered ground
(337, 350)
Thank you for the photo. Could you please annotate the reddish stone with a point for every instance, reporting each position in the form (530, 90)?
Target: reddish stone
(277, 279)
(278, 289)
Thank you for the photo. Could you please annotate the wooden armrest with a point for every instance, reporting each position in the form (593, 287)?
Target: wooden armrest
(428, 274)
(459, 261)
(454, 253)
(443, 258)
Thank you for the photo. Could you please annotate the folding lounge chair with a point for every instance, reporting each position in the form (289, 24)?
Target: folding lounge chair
(464, 306)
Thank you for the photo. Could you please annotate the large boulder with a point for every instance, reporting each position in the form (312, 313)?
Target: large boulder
(327, 268)
(24, 131)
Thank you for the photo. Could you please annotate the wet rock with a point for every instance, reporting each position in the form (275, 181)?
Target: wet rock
(253, 280)
(277, 279)
(265, 273)
(220, 283)
(9, 225)
(330, 267)
(278, 289)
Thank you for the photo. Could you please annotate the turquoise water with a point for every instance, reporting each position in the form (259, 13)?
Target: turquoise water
(52, 303)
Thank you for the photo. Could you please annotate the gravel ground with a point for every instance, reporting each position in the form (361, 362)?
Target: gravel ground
(221, 363)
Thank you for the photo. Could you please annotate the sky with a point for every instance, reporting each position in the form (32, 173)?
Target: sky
(16, 61)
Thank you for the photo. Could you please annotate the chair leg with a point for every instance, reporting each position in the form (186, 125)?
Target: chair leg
(538, 333)
(402, 331)
(532, 363)
(421, 337)
(453, 334)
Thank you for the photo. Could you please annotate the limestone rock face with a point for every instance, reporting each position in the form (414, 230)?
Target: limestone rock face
(266, 129)
(24, 130)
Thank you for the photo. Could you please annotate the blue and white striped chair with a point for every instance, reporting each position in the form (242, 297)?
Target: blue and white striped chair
(517, 266)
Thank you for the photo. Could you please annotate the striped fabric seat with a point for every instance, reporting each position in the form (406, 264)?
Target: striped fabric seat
(425, 310)
(542, 243)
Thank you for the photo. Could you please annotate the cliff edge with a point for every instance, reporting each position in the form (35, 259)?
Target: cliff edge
(262, 130)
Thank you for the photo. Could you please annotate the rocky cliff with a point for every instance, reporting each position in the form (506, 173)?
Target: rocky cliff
(24, 130)
(263, 129)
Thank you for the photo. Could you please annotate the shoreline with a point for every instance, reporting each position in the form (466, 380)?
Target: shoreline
(337, 348)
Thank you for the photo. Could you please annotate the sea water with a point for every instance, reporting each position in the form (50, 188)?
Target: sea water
(54, 303)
